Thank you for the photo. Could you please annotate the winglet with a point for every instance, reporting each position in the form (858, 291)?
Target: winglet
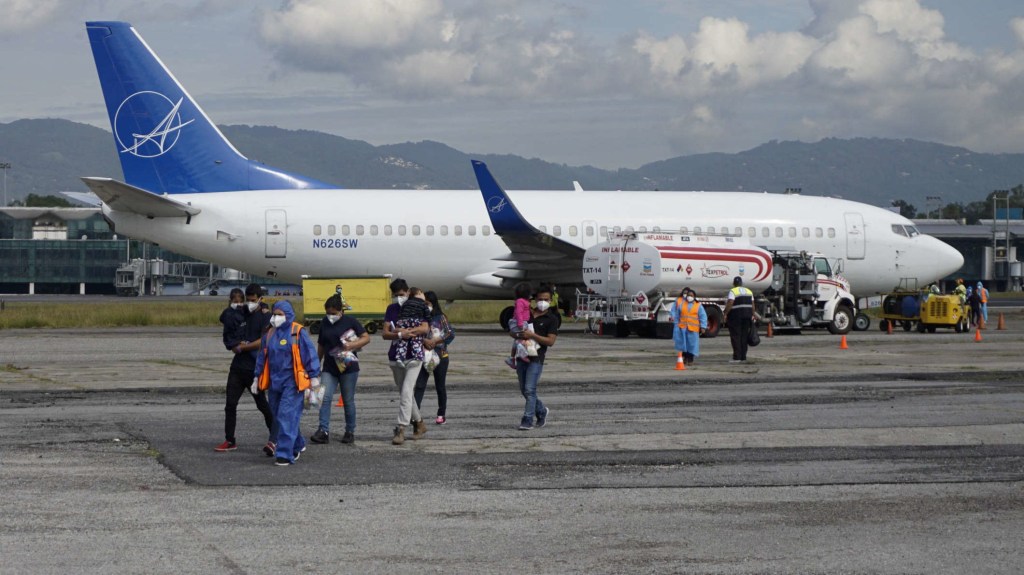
(505, 217)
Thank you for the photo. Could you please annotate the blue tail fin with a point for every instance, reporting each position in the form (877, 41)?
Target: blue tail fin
(164, 139)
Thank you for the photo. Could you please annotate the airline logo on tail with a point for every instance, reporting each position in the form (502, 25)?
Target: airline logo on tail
(161, 137)
(496, 203)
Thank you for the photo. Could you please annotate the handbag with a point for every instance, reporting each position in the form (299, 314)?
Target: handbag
(754, 338)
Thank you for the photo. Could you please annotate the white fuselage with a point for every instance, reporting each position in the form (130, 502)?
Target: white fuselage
(442, 240)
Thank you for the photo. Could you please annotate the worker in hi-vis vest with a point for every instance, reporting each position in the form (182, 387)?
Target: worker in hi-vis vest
(983, 298)
(689, 321)
(739, 317)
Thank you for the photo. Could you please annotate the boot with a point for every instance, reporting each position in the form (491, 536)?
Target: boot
(419, 429)
(399, 437)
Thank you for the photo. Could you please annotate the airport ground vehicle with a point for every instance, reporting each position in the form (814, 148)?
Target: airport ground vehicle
(365, 298)
(924, 310)
(632, 281)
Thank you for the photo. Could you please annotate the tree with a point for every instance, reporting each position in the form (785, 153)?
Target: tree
(37, 201)
(906, 210)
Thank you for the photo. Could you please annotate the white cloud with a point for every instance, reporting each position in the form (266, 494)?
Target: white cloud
(21, 15)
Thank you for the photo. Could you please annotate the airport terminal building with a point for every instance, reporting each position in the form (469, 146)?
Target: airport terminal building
(73, 251)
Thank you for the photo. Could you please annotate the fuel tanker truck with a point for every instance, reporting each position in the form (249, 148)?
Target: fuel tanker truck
(632, 280)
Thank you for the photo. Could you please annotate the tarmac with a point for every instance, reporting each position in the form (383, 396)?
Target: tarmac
(903, 453)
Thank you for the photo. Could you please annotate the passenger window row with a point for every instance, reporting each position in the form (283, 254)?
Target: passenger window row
(401, 230)
(588, 230)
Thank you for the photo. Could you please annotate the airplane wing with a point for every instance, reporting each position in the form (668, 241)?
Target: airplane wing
(533, 255)
(126, 198)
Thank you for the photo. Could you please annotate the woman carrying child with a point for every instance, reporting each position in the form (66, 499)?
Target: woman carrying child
(412, 326)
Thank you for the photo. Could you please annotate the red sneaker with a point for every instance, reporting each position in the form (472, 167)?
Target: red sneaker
(226, 446)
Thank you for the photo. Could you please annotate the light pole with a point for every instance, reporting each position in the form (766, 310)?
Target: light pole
(5, 166)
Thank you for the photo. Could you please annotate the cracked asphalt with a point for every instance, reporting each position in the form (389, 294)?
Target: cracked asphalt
(901, 454)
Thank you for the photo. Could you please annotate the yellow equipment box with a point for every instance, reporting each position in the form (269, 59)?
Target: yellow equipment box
(365, 298)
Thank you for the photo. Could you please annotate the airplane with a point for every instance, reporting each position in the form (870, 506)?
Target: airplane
(189, 190)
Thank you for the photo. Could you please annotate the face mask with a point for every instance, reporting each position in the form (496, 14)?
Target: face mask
(277, 320)
(333, 318)
(236, 305)
(253, 305)
(401, 299)
(543, 305)
(689, 298)
(430, 308)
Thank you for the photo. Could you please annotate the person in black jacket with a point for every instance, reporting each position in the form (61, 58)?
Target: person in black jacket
(244, 321)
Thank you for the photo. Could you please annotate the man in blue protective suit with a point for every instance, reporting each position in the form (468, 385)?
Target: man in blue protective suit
(285, 382)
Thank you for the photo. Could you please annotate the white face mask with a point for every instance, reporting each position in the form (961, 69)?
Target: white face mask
(236, 305)
(430, 308)
(277, 320)
(253, 305)
(333, 318)
(689, 298)
(543, 305)
(401, 299)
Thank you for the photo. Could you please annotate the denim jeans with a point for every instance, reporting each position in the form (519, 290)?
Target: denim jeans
(348, 396)
(440, 374)
(529, 376)
(405, 373)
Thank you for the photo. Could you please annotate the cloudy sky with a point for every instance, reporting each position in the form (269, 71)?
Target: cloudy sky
(601, 82)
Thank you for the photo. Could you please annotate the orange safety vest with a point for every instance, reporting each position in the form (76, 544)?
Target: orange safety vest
(298, 370)
(984, 295)
(688, 318)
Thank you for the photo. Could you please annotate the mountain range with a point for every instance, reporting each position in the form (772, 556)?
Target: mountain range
(49, 155)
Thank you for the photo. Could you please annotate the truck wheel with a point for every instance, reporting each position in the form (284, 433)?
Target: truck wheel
(921, 328)
(621, 328)
(861, 322)
(908, 325)
(883, 325)
(371, 327)
(715, 321)
(842, 321)
(505, 316)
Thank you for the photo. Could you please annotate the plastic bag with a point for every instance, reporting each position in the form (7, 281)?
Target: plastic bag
(431, 361)
(312, 398)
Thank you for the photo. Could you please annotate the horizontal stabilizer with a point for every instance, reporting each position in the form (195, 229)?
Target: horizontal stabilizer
(125, 198)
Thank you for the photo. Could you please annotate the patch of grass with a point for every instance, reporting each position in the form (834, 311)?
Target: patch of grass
(136, 312)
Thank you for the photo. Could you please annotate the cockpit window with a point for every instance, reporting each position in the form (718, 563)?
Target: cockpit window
(899, 230)
(912, 231)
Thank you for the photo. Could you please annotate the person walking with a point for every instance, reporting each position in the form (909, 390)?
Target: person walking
(983, 300)
(244, 323)
(690, 321)
(973, 307)
(544, 332)
(441, 335)
(739, 316)
(409, 330)
(341, 337)
(287, 366)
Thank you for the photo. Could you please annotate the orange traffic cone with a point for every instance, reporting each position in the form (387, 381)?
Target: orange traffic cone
(680, 364)
(888, 327)
(977, 334)
(842, 343)
(341, 401)
(771, 333)
(1002, 322)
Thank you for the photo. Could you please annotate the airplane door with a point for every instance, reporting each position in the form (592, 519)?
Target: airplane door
(277, 234)
(589, 231)
(854, 236)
